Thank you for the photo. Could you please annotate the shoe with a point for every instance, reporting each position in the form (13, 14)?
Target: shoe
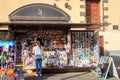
(40, 74)
(36, 74)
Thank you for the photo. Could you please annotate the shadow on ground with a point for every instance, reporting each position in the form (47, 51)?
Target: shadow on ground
(67, 78)
(44, 77)
(60, 76)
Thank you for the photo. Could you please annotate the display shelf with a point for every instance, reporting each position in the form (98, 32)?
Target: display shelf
(82, 47)
(53, 40)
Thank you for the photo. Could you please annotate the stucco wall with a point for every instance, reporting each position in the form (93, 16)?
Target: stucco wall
(7, 6)
(113, 13)
(111, 41)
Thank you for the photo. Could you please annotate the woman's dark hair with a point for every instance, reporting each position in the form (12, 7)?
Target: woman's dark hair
(41, 41)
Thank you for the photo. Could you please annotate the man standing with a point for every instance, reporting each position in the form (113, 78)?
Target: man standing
(38, 52)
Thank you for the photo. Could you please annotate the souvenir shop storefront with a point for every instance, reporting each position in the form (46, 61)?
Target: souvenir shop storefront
(63, 47)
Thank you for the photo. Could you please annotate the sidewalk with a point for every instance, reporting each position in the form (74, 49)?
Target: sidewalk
(64, 76)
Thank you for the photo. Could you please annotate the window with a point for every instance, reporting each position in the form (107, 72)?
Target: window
(82, 6)
(82, 21)
(105, 8)
(105, 1)
(82, 13)
(105, 16)
(105, 22)
(115, 27)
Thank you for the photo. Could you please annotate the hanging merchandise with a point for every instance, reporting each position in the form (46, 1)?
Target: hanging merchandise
(8, 60)
(56, 48)
(84, 49)
(7, 52)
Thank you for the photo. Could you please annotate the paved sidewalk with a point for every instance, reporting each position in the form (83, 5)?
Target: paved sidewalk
(67, 76)
(64, 76)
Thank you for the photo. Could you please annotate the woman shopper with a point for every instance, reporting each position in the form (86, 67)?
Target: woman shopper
(38, 52)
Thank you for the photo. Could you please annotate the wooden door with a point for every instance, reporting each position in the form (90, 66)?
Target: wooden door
(101, 45)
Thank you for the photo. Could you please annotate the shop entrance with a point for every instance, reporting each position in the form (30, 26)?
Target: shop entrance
(55, 45)
(19, 38)
(101, 45)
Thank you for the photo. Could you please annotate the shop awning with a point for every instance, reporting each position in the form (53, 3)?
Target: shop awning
(55, 24)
